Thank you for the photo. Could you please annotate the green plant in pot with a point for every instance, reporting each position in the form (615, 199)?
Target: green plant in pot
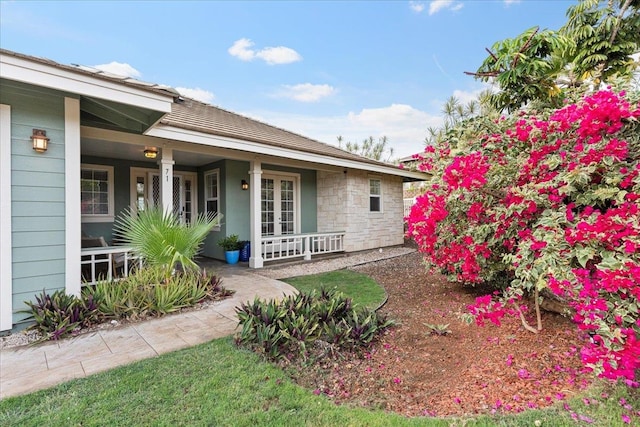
(231, 245)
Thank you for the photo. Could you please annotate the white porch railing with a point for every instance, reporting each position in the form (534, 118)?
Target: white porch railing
(408, 203)
(301, 245)
(95, 262)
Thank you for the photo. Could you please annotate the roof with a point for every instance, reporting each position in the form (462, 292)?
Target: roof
(190, 114)
(94, 72)
(197, 116)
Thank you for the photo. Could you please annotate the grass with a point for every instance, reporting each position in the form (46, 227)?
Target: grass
(218, 384)
(362, 289)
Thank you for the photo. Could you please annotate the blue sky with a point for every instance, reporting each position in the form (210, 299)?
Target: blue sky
(322, 69)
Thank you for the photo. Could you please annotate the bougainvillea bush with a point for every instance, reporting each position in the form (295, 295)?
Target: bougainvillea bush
(544, 204)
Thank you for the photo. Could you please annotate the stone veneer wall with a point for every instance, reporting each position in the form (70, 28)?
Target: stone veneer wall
(343, 205)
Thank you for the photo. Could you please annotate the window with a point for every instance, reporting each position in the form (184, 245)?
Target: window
(211, 192)
(375, 195)
(96, 193)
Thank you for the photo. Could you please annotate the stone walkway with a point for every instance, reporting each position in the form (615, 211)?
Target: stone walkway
(31, 368)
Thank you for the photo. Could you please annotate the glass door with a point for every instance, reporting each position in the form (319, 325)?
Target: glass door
(278, 204)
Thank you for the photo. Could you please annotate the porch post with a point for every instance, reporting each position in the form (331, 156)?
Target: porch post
(255, 185)
(73, 228)
(166, 179)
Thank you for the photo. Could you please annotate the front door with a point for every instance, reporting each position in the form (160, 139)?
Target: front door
(279, 205)
(146, 189)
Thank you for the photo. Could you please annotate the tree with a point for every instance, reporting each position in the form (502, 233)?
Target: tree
(594, 46)
(379, 150)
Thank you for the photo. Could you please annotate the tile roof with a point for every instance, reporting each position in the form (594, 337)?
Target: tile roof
(197, 116)
(94, 72)
(194, 115)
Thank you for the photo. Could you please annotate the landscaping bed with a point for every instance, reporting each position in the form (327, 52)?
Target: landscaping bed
(470, 370)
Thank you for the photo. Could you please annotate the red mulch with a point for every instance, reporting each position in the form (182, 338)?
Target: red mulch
(472, 370)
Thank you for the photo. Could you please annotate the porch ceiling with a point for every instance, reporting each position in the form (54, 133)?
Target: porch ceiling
(124, 151)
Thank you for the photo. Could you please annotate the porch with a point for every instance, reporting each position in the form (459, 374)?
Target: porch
(113, 262)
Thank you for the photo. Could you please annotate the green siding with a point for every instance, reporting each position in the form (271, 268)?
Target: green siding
(234, 202)
(38, 235)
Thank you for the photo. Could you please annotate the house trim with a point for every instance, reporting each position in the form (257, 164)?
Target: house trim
(110, 216)
(55, 77)
(73, 217)
(6, 259)
(173, 133)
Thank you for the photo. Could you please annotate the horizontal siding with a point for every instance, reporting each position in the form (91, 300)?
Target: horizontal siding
(47, 222)
(38, 253)
(38, 268)
(28, 177)
(37, 208)
(29, 193)
(37, 238)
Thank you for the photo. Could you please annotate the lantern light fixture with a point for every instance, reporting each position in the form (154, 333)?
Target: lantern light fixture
(39, 140)
(150, 152)
(245, 185)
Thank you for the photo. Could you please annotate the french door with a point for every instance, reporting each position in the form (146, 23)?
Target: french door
(146, 189)
(279, 204)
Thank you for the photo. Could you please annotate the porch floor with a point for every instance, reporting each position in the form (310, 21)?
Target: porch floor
(28, 369)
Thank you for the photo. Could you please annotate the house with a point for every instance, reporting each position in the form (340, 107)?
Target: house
(115, 142)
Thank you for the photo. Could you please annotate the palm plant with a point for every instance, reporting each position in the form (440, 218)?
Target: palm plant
(161, 239)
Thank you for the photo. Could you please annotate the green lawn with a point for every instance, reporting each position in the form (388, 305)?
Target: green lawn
(362, 289)
(217, 384)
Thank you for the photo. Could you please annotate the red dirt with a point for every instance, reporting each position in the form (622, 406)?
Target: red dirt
(472, 370)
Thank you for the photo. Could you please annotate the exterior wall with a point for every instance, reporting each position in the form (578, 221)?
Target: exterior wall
(37, 193)
(234, 202)
(343, 205)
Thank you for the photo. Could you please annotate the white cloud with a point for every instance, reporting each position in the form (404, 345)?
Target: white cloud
(404, 125)
(436, 6)
(306, 92)
(197, 93)
(465, 96)
(416, 6)
(242, 49)
(510, 2)
(119, 68)
(279, 55)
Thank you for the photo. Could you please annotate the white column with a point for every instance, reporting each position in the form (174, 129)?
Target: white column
(166, 179)
(6, 275)
(72, 213)
(255, 185)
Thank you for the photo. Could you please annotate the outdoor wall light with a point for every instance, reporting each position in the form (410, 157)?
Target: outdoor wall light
(150, 152)
(40, 140)
(245, 185)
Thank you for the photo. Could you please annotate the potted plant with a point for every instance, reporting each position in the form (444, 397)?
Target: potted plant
(231, 246)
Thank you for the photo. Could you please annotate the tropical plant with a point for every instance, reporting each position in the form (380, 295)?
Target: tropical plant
(147, 292)
(59, 314)
(230, 243)
(161, 239)
(285, 328)
(594, 46)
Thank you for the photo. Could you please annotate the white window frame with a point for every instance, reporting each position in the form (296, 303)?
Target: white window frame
(297, 201)
(371, 195)
(217, 197)
(108, 217)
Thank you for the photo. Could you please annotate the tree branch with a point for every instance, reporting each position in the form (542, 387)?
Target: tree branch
(524, 47)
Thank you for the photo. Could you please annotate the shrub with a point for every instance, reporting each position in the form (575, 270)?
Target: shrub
(59, 314)
(148, 292)
(540, 203)
(285, 328)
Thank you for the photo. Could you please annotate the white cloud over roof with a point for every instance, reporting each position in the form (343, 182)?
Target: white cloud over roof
(197, 93)
(242, 49)
(119, 68)
(404, 125)
(306, 92)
